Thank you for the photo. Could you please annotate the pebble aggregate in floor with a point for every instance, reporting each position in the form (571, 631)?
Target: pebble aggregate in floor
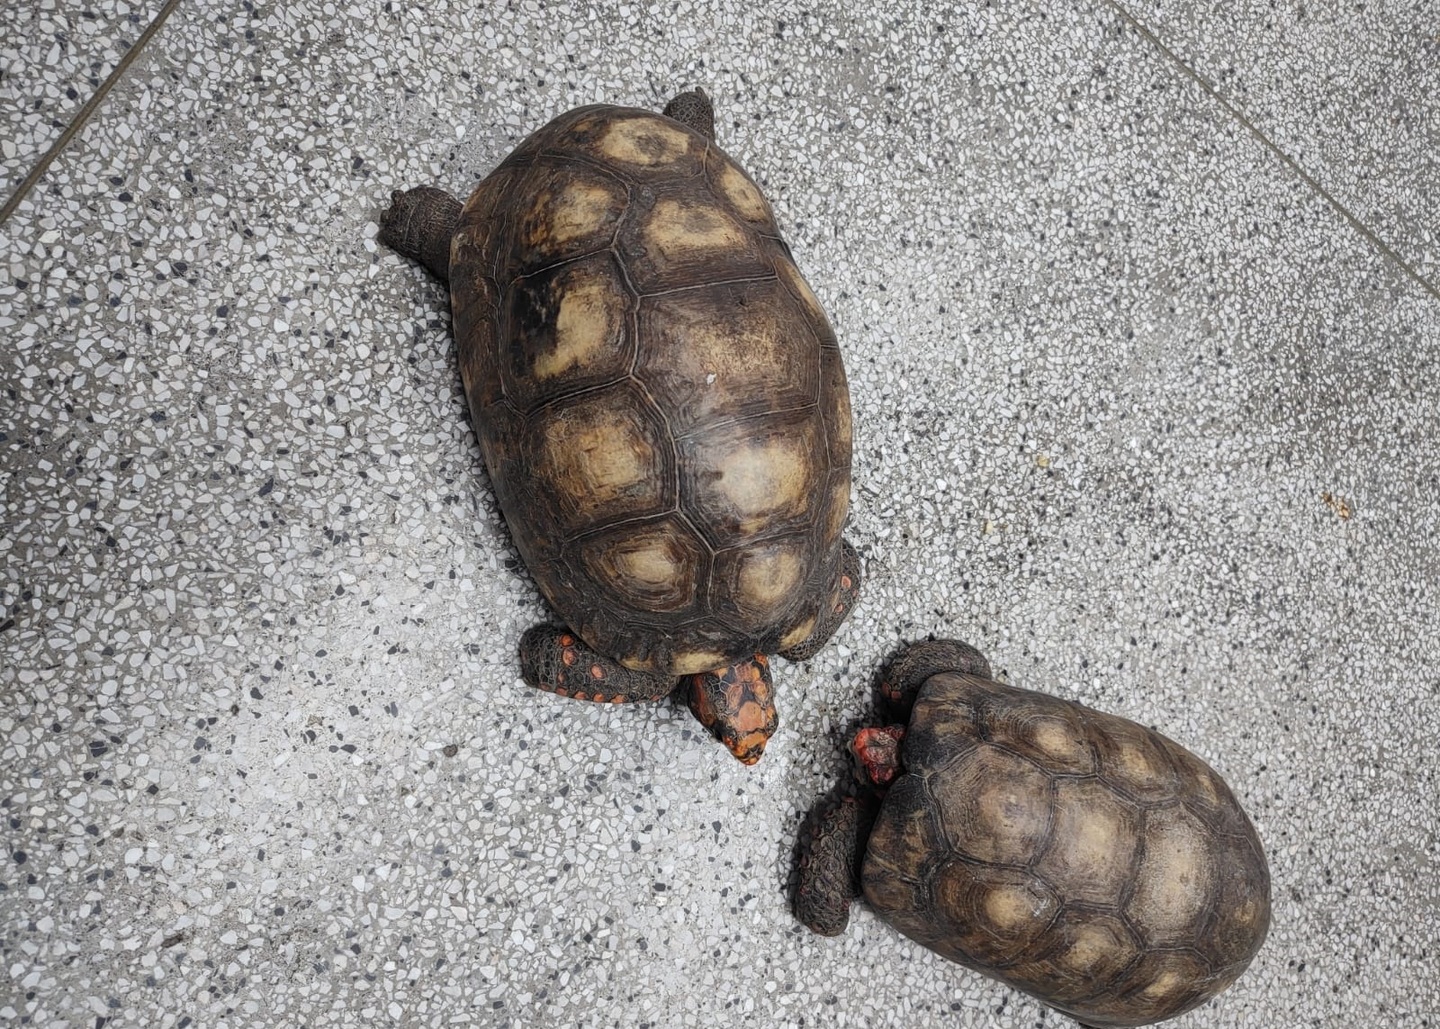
(1137, 412)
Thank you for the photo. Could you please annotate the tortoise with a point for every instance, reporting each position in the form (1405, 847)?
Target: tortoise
(661, 406)
(1074, 855)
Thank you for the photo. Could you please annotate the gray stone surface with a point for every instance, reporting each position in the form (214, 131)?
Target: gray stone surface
(1348, 91)
(54, 56)
(1137, 412)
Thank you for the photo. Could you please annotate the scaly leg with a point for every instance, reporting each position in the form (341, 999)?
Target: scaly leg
(830, 863)
(419, 224)
(693, 108)
(908, 672)
(554, 659)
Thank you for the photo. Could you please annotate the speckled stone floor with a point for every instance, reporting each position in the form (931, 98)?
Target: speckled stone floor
(1145, 407)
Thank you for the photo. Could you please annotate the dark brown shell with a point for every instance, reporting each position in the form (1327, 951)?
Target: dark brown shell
(658, 395)
(1071, 854)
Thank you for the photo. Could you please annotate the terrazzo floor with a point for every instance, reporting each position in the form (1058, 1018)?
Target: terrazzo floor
(1140, 312)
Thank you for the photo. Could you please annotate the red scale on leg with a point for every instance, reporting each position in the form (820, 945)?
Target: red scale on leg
(554, 660)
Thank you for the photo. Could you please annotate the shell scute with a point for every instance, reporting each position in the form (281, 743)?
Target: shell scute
(638, 347)
(757, 586)
(573, 209)
(1175, 877)
(601, 456)
(686, 238)
(729, 182)
(1082, 950)
(727, 352)
(1133, 760)
(995, 806)
(753, 479)
(1093, 847)
(569, 328)
(655, 567)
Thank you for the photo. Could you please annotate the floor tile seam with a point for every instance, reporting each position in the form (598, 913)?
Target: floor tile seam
(1309, 180)
(83, 116)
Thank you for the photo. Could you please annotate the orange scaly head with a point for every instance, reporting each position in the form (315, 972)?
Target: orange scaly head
(879, 752)
(737, 705)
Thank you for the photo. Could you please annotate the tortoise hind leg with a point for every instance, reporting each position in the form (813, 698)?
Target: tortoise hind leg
(830, 863)
(846, 593)
(693, 109)
(554, 659)
(419, 224)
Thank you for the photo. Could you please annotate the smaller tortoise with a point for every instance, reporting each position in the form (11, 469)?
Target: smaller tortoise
(1076, 856)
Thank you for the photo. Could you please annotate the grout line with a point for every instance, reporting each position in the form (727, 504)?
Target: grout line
(78, 122)
(1285, 158)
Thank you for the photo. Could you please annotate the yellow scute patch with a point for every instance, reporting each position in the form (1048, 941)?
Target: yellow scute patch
(695, 662)
(1009, 907)
(742, 194)
(676, 229)
(644, 141)
(798, 635)
(762, 479)
(601, 455)
(766, 579)
(580, 210)
(1172, 887)
(1057, 740)
(1091, 841)
(652, 564)
(588, 318)
(1165, 984)
(1090, 946)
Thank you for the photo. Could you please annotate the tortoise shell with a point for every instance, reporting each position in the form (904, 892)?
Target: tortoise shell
(1074, 855)
(658, 395)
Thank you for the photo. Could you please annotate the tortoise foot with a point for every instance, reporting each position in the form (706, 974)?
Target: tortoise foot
(554, 659)
(419, 224)
(908, 672)
(830, 863)
(693, 108)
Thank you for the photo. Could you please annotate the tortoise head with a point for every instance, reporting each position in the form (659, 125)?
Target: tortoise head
(878, 750)
(737, 705)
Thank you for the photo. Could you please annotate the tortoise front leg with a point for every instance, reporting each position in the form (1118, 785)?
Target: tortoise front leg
(830, 863)
(917, 662)
(737, 705)
(419, 224)
(844, 594)
(554, 659)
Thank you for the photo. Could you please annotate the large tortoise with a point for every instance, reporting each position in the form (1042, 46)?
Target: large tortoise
(661, 406)
(1074, 855)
